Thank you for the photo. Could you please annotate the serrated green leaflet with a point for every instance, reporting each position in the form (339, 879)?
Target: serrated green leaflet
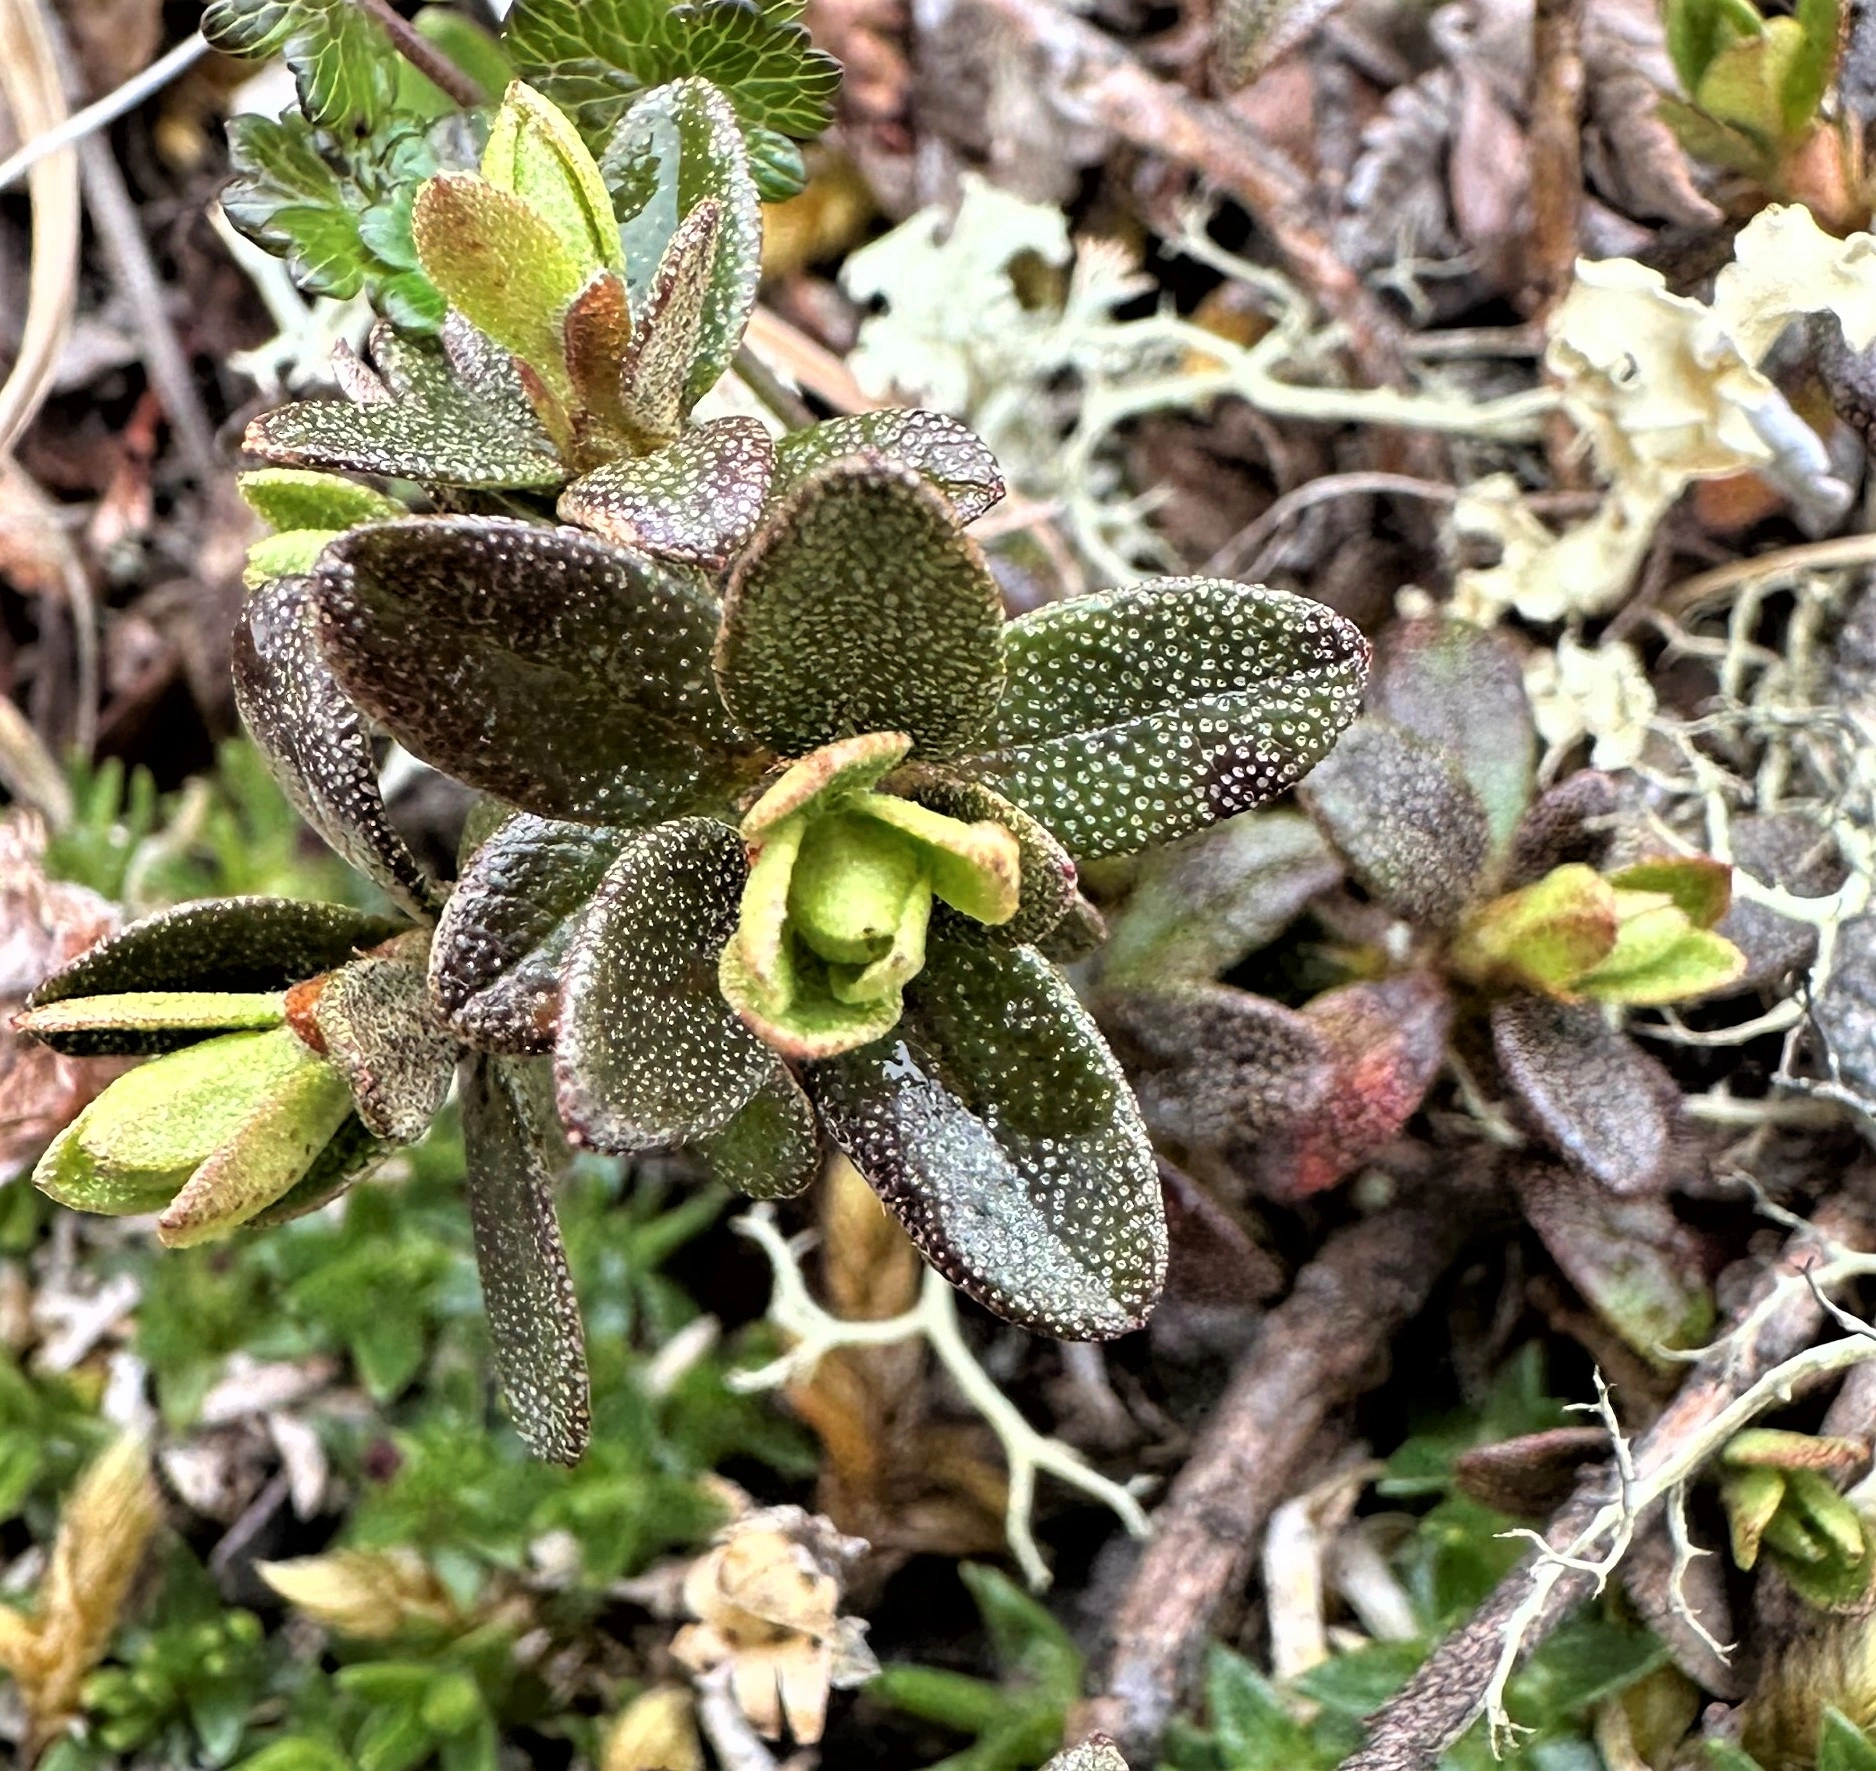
(940, 449)
(216, 944)
(595, 57)
(342, 61)
(696, 500)
(438, 416)
(1406, 821)
(649, 1052)
(461, 633)
(499, 945)
(527, 1290)
(997, 1126)
(860, 607)
(680, 146)
(314, 741)
(338, 211)
(1134, 716)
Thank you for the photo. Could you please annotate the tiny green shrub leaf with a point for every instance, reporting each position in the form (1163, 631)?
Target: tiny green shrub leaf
(314, 741)
(441, 415)
(1544, 936)
(215, 944)
(948, 454)
(1607, 1105)
(999, 1129)
(460, 633)
(527, 1290)
(1135, 716)
(649, 1053)
(1408, 824)
(596, 58)
(293, 498)
(860, 607)
(373, 1019)
(681, 146)
(502, 938)
(696, 500)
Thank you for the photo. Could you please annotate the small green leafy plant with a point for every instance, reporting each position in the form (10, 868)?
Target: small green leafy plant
(781, 817)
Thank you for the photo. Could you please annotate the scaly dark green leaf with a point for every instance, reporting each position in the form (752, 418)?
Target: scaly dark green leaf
(595, 57)
(649, 1053)
(1134, 716)
(374, 1019)
(677, 147)
(998, 1127)
(220, 944)
(314, 741)
(447, 414)
(500, 944)
(696, 500)
(861, 607)
(527, 1290)
(949, 454)
(540, 665)
(771, 1147)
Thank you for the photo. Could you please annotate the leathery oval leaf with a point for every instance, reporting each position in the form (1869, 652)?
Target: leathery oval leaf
(997, 1126)
(527, 1288)
(682, 143)
(861, 607)
(1133, 716)
(696, 500)
(500, 943)
(229, 945)
(649, 1052)
(950, 455)
(771, 1147)
(537, 664)
(315, 742)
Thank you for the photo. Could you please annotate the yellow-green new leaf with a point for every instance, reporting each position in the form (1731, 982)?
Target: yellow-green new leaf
(537, 155)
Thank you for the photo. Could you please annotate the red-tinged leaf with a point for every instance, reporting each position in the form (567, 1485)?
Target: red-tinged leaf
(696, 500)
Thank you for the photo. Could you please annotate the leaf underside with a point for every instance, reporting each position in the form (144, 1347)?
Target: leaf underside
(219, 944)
(314, 741)
(997, 1126)
(373, 1016)
(527, 1290)
(1134, 716)
(540, 665)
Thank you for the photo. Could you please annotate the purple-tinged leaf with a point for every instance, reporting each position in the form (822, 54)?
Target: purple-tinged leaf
(1135, 716)
(936, 447)
(540, 665)
(502, 939)
(1460, 688)
(861, 607)
(1201, 905)
(315, 742)
(527, 1290)
(1637, 1265)
(217, 944)
(696, 500)
(1792, 852)
(1846, 1012)
(1575, 823)
(649, 1053)
(1599, 1099)
(1409, 826)
(999, 1129)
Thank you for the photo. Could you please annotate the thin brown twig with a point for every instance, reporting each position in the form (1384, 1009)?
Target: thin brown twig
(1319, 1348)
(424, 56)
(1441, 1701)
